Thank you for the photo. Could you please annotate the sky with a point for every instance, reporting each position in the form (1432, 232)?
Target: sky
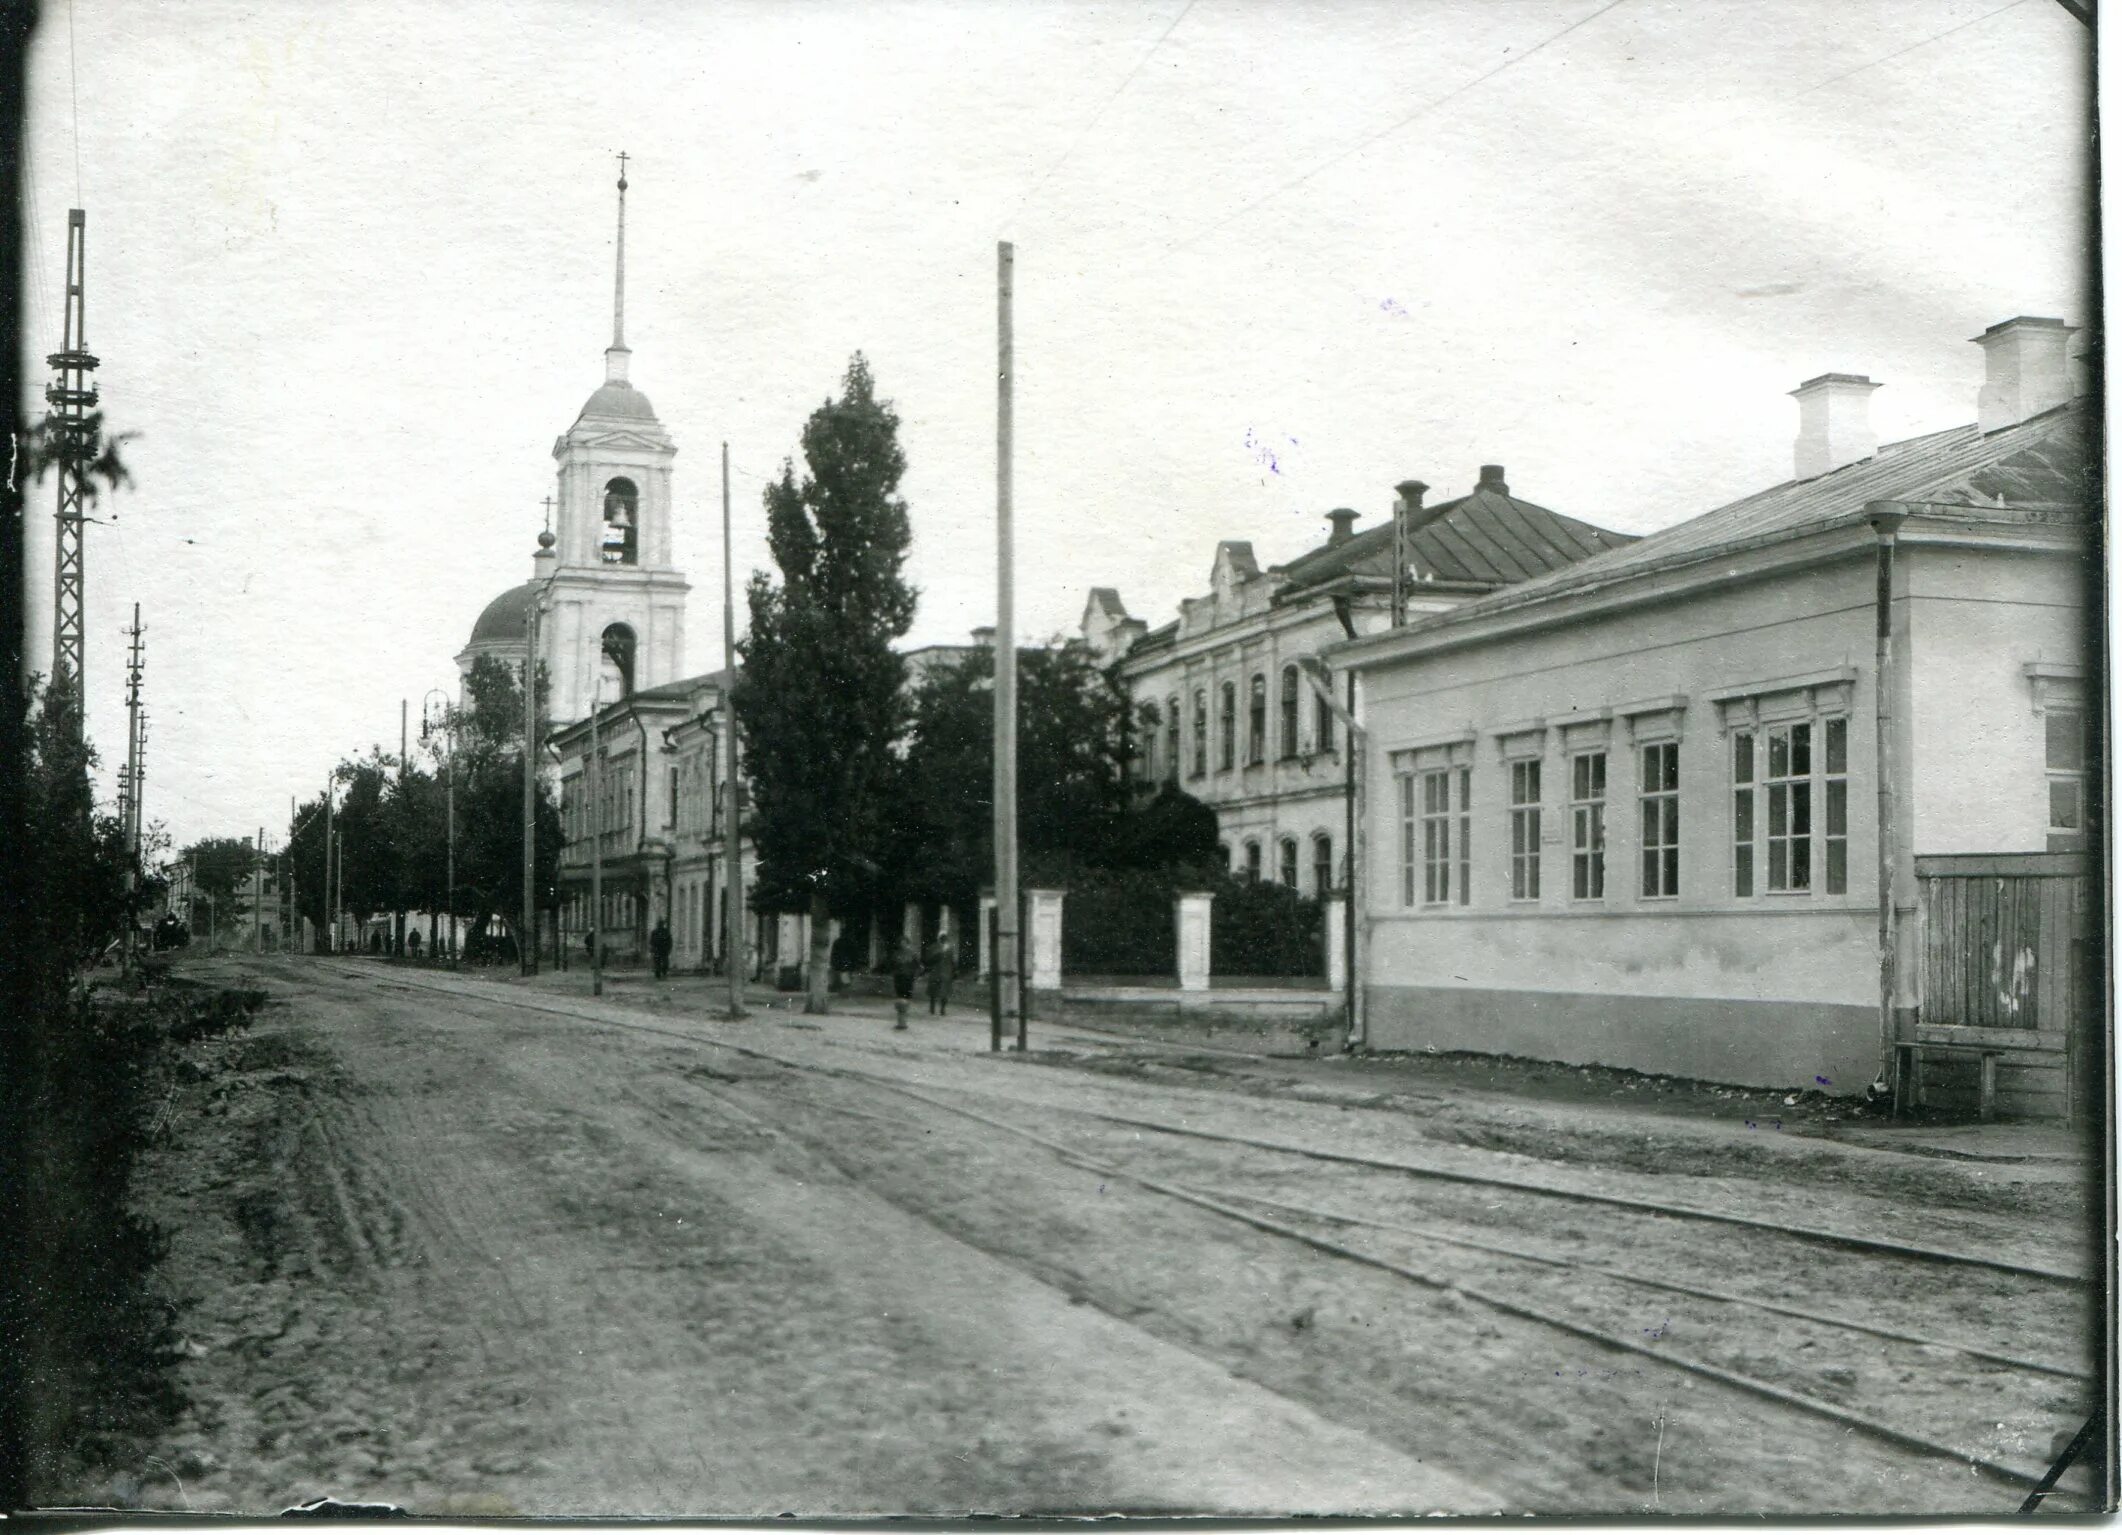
(350, 272)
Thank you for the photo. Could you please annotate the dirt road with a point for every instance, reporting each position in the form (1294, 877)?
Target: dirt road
(439, 1245)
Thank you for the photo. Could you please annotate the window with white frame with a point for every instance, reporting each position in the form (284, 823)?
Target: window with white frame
(1322, 863)
(1437, 837)
(1406, 784)
(1171, 738)
(1834, 791)
(1658, 799)
(1787, 791)
(2059, 699)
(1252, 862)
(1287, 858)
(2064, 731)
(1587, 826)
(1200, 732)
(1790, 785)
(1227, 707)
(1525, 829)
(1256, 721)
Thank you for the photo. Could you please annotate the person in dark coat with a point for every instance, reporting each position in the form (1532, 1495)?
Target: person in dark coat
(659, 948)
(906, 964)
(942, 966)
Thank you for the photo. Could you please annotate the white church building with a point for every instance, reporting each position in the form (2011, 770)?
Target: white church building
(611, 602)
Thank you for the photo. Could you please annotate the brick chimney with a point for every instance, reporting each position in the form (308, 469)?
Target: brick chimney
(1492, 479)
(1344, 520)
(1834, 423)
(2025, 370)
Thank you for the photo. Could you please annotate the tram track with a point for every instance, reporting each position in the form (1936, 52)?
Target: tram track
(1280, 1218)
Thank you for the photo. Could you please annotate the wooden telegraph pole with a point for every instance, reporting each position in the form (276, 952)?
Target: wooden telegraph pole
(1006, 960)
(527, 937)
(732, 809)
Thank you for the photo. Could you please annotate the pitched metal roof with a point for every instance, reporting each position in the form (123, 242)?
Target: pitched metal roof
(2042, 460)
(1487, 537)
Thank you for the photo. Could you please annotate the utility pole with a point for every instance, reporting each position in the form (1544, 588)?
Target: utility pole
(71, 397)
(732, 809)
(403, 748)
(258, 894)
(1006, 959)
(132, 783)
(331, 919)
(596, 845)
(339, 894)
(294, 912)
(527, 940)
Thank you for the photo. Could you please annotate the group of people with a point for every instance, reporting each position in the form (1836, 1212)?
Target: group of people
(939, 961)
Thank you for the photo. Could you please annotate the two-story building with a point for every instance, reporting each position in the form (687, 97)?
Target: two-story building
(653, 804)
(1786, 795)
(1221, 705)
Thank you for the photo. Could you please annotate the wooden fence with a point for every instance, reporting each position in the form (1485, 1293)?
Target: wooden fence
(2004, 984)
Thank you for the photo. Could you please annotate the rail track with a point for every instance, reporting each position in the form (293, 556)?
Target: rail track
(1300, 1224)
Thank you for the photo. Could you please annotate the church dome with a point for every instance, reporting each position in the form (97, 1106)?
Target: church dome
(507, 618)
(617, 399)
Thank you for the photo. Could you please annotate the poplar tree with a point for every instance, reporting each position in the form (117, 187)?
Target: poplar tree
(819, 696)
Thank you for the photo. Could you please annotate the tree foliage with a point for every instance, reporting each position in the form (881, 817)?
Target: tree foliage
(392, 819)
(819, 695)
(220, 867)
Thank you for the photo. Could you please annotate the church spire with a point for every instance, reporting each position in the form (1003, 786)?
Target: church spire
(615, 356)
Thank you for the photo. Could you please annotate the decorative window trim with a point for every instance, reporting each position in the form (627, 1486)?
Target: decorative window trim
(1655, 719)
(1782, 699)
(1404, 757)
(2056, 685)
(1527, 738)
(1586, 733)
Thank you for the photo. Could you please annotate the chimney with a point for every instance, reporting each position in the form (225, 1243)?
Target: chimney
(2025, 370)
(1344, 521)
(1834, 423)
(1411, 493)
(1492, 479)
(984, 636)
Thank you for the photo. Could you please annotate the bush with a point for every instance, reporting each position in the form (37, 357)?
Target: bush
(1266, 929)
(1119, 922)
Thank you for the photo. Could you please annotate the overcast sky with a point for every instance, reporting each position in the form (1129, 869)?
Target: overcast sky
(350, 275)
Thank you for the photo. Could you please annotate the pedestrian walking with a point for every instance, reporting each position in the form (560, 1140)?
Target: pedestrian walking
(942, 970)
(412, 943)
(659, 948)
(906, 964)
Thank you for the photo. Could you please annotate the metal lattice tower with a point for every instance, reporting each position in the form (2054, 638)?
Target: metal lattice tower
(71, 397)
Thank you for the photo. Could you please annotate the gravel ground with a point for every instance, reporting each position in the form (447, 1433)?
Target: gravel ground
(446, 1250)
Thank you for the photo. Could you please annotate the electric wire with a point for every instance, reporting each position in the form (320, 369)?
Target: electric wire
(1392, 128)
(1095, 118)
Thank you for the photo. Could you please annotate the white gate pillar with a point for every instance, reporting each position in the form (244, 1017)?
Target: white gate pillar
(1045, 925)
(1336, 942)
(1192, 921)
(987, 933)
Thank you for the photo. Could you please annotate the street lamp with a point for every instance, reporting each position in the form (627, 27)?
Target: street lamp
(446, 725)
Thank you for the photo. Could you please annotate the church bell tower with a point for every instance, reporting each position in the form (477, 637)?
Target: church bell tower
(615, 615)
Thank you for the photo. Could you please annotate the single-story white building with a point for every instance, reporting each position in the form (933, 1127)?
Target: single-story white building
(1638, 811)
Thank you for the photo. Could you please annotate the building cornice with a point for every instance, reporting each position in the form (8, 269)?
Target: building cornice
(1681, 577)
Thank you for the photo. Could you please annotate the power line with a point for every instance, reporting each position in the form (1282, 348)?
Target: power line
(1888, 58)
(1099, 115)
(1393, 128)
